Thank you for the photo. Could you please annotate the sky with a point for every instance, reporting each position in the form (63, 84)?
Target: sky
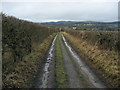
(62, 10)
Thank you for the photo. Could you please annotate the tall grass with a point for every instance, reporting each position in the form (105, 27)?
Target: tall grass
(109, 40)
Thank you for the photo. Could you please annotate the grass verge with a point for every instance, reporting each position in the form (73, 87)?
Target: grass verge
(25, 71)
(61, 75)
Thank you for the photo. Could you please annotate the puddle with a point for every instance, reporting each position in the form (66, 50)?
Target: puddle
(85, 69)
(47, 64)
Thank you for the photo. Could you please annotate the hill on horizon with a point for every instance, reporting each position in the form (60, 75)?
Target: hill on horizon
(84, 25)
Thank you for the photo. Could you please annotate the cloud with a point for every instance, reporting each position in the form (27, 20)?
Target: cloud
(60, 0)
(47, 11)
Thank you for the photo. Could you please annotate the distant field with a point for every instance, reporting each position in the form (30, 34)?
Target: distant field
(85, 25)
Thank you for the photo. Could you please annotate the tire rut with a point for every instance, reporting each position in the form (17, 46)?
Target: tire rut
(79, 74)
(72, 75)
(46, 78)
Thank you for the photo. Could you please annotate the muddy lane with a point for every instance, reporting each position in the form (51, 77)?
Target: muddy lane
(84, 75)
(73, 78)
(46, 78)
(78, 73)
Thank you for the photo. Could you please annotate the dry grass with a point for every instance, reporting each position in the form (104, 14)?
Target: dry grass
(108, 40)
(105, 61)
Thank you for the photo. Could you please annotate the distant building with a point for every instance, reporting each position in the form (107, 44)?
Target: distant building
(60, 29)
(74, 28)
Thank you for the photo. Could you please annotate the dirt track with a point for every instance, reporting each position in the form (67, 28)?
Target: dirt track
(79, 74)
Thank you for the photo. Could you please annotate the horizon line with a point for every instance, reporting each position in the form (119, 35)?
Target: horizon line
(45, 21)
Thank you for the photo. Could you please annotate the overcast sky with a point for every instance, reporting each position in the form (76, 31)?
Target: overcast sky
(56, 10)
